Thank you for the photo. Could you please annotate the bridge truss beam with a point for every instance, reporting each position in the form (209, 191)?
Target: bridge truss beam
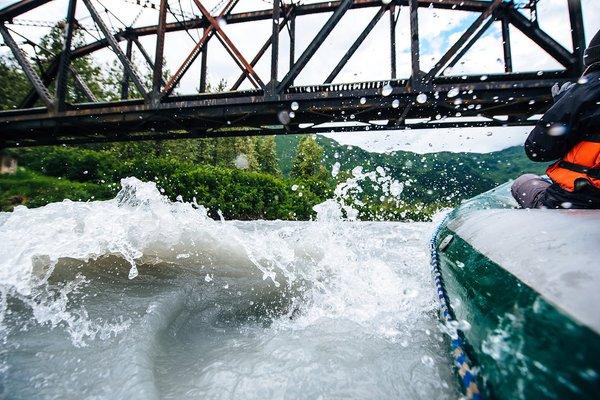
(426, 99)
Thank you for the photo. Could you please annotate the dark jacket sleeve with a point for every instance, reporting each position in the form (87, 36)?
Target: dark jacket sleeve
(574, 116)
(557, 131)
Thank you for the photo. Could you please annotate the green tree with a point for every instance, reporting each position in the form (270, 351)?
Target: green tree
(13, 84)
(234, 152)
(266, 155)
(308, 161)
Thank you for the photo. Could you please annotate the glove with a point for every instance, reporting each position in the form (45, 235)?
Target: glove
(558, 92)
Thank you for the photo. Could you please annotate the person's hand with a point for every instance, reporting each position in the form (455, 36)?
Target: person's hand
(557, 91)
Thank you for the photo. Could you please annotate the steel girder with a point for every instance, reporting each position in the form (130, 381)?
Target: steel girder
(508, 99)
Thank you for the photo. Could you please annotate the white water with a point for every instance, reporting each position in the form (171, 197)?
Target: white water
(141, 298)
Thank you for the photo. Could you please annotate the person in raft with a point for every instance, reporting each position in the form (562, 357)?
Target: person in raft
(569, 132)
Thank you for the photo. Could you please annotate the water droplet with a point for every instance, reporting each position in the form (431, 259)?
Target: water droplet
(583, 80)
(335, 170)
(292, 114)
(421, 98)
(452, 92)
(427, 360)
(464, 325)
(241, 162)
(294, 188)
(363, 100)
(222, 22)
(386, 90)
(557, 130)
(540, 73)
(133, 272)
(396, 103)
(295, 105)
(283, 117)
(483, 77)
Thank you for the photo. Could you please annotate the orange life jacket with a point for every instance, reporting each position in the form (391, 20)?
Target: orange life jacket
(581, 162)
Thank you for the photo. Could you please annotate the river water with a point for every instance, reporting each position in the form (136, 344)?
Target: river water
(142, 298)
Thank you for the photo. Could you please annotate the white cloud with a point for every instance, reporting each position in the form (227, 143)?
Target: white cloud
(422, 141)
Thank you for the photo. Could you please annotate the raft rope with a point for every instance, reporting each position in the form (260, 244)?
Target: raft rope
(468, 377)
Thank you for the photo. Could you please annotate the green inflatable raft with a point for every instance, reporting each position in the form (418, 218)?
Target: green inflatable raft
(523, 287)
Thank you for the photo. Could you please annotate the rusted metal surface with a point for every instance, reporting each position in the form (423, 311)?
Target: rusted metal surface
(490, 100)
(471, 30)
(27, 68)
(183, 68)
(361, 38)
(114, 45)
(65, 57)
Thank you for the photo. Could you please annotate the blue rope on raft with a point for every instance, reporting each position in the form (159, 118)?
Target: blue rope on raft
(468, 377)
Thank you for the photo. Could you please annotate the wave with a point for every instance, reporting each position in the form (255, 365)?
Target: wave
(142, 288)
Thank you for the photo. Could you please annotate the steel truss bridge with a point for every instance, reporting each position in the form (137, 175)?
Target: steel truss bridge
(275, 105)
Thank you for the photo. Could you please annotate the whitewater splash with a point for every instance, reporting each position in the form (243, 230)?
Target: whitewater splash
(140, 297)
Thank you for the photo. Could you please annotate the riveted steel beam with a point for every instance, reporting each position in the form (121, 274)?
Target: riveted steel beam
(361, 38)
(415, 75)
(315, 44)
(508, 67)
(541, 38)
(114, 45)
(125, 80)
(27, 68)
(393, 21)
(261, 52)
(159, 52)
(65, 57)
(453, 50)
(577, 33)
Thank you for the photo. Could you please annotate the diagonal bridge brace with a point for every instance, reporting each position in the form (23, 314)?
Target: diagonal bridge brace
(541, 38)
(214, 28)
(32, 76)
(114, 45)
(287, 17)
(454, 49)
(230, 47)
(314, 45)
(361, 38)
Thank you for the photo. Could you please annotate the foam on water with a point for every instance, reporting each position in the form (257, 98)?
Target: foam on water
(140, 297)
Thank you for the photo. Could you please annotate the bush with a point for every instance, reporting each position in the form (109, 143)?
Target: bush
(34, 190)
(238, 194)
(71, 163)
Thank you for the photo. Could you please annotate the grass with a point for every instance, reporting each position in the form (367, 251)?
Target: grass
(34, 190)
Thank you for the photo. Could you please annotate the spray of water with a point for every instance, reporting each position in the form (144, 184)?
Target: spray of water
(139, 284)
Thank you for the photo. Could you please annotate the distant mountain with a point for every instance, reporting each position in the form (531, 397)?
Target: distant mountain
(433, 178)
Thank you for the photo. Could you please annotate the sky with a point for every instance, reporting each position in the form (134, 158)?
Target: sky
(438, 29)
